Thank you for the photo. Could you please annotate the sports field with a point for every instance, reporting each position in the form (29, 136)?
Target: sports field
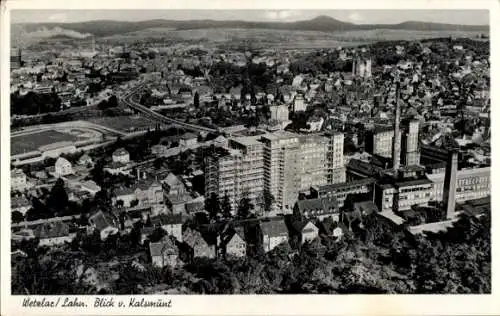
(30, 142)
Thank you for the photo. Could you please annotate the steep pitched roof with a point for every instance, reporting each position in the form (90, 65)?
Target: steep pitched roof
(164, 246)
(102, 220)
(274, 228)
(172, 180)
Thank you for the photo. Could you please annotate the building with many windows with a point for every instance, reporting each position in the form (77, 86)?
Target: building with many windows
(313, 161)
(336, 171)
(282, 167)
(379, 141)
(410, 154)
(471, 184)
(401, 195)
(236, 171)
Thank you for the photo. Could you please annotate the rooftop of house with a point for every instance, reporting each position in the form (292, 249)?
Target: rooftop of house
(16, 173)
(194, 238)
(274, 228)
(300, 225)
(365, 207)
(102, 220)
(120, 152)
(51, 230)
(22, 201)
(172, 180)
(173, 219)
(164, 246)
(327, 204)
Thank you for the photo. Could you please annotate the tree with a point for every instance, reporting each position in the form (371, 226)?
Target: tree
(196, 101)
(268, 201)
(58, 198)
(134, 203)
(244, 207)
(119, 203)
(212, 206)
(17, 217)
(226, 207)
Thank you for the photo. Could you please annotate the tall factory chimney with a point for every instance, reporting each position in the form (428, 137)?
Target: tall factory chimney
(354, 64)
(450, 184)
(396, 141)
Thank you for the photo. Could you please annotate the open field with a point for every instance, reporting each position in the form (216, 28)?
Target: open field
(31, 142)
(123, 123)
(286, 38)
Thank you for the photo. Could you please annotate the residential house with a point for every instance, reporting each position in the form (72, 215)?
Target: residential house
(274, 233)
(233, 243)
(52, 234)
(306, 231)
(175, 193)
(149, 192)
(198, 245)
(188, 140)
(159, 150)
(127, 195)
(319, 208)
(90, 187)
(20, 204)
(173, 185)
(121, 155)
(18, 180)
(172, 224)
(164, 253)
(104, 222)
(62, 167)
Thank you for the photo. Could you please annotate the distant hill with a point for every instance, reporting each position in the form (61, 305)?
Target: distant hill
(323, 23)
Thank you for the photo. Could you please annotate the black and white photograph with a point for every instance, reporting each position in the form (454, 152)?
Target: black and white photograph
(252, 151)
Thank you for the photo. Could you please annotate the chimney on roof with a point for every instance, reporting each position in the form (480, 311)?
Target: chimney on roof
(396, 143)
(450, 184)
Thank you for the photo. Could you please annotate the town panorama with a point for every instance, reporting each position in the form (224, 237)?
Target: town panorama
(234, 157)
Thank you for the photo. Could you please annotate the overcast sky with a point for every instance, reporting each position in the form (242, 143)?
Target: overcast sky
(355, 16)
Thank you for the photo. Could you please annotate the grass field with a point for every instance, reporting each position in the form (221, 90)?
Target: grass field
(123, 123)
(30, 142)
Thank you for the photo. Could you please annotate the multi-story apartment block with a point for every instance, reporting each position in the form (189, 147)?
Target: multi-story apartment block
(237, 171)
(379, 142)
(336, 171)
(282, 167)
(279, 112)
(312, 161)
(282, 163)
(410, 154)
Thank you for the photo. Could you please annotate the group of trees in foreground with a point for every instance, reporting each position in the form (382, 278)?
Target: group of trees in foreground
(377, 259)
